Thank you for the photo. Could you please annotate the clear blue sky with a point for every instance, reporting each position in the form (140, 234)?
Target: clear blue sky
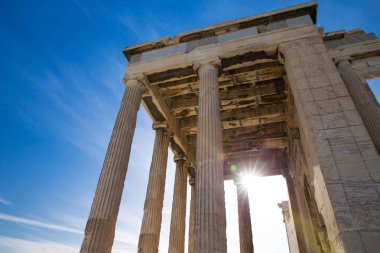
(61, 67)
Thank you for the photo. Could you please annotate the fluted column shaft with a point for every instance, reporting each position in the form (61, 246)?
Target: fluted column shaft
(210, 205)
(245, 229)
(364, 100)
(151, 223)
(100, 228)
(191, 244)
(178, 216)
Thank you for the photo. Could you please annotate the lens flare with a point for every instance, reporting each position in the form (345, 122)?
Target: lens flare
(247, 179)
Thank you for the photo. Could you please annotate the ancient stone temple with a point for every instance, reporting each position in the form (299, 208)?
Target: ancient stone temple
(272, 89)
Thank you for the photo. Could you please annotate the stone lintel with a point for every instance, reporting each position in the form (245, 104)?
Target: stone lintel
(355, 51)
(226, 27)
(235, 47)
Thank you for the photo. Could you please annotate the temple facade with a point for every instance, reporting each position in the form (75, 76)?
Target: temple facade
(271, 90)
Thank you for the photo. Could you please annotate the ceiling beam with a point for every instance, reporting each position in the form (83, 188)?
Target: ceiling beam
(243, 117)
(173, 125)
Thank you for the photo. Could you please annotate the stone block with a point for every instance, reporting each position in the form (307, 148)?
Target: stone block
(309, 108)
(327, 62)
(348, 242)
(366, 217)
(328, 106)
(321, 144)
(320, 48)
(337, 196)
(353, 171)
(333, 120)
(294, 61)
(339, 136)
(333, 75)
(323, 93)
(362, 195)
(318, 81)
(346, 153)
(327, 161)
(367, 150)
(315, 122)
(310, 60)
(237, 35)
(373, 167)
(320, 194)
(312, 67)
(340, 89)
(330, 174)
(331, 225)
(301, 83)
(353, 118)
(303, 20)
(326, 59)
(305, 95)
(304, 50)
(302, 43)
(371, 241)
(359, 63)
(297, 72)
(180, 48)
(360, 133)
(347, 103)
(344, 218)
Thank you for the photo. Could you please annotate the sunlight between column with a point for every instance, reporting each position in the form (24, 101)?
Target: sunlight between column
(268, 228)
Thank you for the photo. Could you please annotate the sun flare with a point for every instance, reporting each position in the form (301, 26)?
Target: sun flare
(247, 179)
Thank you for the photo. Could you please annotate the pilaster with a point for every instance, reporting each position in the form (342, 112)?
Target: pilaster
(341, 161)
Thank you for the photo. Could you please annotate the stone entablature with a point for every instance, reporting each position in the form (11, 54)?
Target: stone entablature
(303, 14)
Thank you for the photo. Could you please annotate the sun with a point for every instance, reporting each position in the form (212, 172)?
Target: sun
(247, 179)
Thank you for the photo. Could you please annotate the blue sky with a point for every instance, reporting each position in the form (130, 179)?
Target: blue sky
(61, 68)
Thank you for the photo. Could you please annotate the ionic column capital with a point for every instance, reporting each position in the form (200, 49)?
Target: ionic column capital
(191, 171)
(214, 64)
(191, 181)
(179, 158)
(136, 80)
(161, 126)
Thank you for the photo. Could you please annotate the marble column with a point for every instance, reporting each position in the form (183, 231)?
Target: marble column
(364, 100)
(245, 229)
(191, 244)
(210, 205)
(178, 216)
(301, 245)
(100, 228)
(151, 223)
